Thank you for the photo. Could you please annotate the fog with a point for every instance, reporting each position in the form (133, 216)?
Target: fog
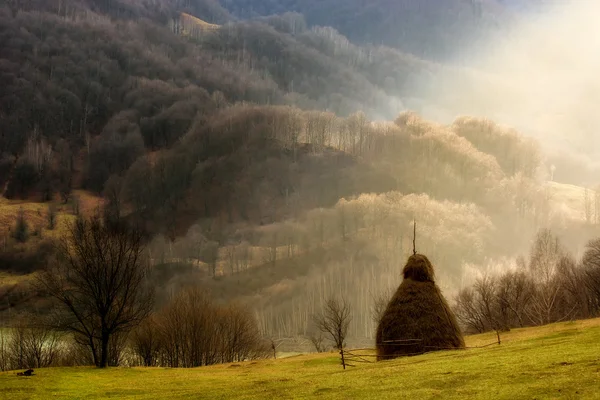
(538, 76)
(280, 208)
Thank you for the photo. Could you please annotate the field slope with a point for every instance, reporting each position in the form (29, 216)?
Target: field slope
(555, 361)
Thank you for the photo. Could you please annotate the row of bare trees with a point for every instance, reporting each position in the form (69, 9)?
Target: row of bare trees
(192, 331)
(29, 344)
(550, 287)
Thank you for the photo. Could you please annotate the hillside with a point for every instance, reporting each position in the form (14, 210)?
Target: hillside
(150, 97)
(434, 30)
(555, 361)
(269, 161)
(193, 26)
(279, 207)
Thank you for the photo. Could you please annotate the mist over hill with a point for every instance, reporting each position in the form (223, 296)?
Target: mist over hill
(538, 77)
(272, 158)
(434, 30)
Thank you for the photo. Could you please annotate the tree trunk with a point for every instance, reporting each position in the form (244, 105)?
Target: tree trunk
(94, 351)
(104, 351)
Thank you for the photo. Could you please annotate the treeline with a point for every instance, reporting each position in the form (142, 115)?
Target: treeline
(550, 286)
(435, 30)
(366, 239)
(87, 67)
(319, 68)
(159, 11)
(465, 230)
(310, 195)
(66, 78)
(190, 331)
(251, 164)
(94, 84)
(312, 159)
(286, 269)
(291, 187)
(259, 165)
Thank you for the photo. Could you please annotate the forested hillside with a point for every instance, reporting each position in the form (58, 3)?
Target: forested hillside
(434, 30)
(77, 79)
(267, 159)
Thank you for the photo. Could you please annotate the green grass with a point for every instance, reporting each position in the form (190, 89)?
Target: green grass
(555, 361)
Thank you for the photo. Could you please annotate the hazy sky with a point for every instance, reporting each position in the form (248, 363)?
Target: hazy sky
(541, 77)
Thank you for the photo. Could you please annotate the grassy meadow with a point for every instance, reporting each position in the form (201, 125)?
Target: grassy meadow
(36, 213)
(555, 361)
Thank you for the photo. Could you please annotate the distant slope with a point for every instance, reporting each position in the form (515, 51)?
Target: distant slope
(36, 213)
(192, 26)
(573, 202)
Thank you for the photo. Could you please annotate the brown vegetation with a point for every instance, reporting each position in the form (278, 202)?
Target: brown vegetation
(550, 287)
(192, 331)
(398, 23)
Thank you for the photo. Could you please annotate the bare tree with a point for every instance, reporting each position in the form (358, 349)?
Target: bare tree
(575, 298)
(485, 288)
(4, 353)
(40, 343)
(468, 312)
(546, 255)
(515, 291)
(591, 272)
(189, 327)
(146, 342)
(334, 322)
(239, 335)
(99, 281)
(242, 256)
(316, 339)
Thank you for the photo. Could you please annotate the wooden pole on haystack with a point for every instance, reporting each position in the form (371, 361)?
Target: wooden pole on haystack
(414, 237)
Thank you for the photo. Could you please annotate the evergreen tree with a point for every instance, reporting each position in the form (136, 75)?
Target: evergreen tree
(21, 232)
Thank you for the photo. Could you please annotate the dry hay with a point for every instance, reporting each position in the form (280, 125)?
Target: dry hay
(417, 319)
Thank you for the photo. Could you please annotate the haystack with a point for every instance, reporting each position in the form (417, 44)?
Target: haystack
(417, 319)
